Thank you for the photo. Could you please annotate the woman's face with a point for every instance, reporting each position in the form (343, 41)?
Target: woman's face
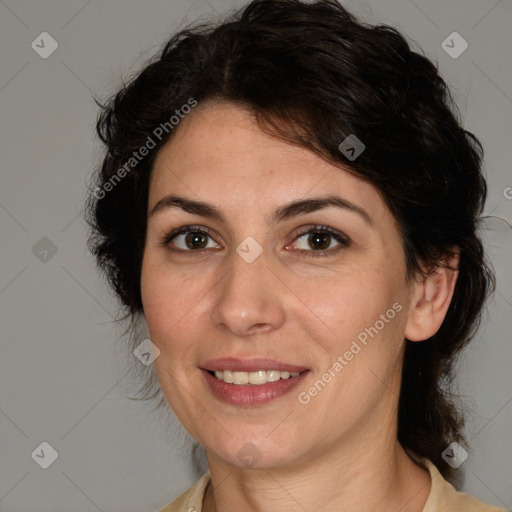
(317, 288)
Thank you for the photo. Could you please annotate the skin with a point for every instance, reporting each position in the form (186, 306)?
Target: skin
(340, 451)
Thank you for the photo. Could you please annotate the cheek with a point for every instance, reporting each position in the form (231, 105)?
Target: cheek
(345, 304)
(166, 296)
(365, 317)
(174, 308)
(155, 301)
(163, 303)
(363, 354)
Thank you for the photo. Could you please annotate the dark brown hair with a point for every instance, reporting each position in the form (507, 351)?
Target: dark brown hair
(313, 74)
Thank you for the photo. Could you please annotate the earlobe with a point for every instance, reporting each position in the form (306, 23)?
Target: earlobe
(431, 299)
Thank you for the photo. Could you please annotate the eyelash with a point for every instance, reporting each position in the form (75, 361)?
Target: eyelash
(342, 239)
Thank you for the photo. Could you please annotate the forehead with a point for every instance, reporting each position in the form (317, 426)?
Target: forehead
(219, 153)
(224, 137)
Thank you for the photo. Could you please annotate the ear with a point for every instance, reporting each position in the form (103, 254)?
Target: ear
(431, 298)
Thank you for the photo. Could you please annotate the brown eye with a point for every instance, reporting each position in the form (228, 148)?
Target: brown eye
(196, 240)
(320, 241)
(189, 239)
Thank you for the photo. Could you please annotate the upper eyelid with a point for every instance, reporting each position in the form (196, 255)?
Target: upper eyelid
(173, 233)
(298, 233)
(319, 228)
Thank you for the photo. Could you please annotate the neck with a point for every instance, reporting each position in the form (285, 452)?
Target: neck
(381, 477)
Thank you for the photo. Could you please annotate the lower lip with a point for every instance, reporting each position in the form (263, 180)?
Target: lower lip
(249, 395)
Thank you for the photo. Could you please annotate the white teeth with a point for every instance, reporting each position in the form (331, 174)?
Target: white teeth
(273, 375)
(228, 376)
(241, 378)
(256, 378)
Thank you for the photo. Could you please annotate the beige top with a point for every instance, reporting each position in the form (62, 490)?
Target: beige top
(442, 498)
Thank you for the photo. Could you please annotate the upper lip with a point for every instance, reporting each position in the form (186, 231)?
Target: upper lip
(250, 365)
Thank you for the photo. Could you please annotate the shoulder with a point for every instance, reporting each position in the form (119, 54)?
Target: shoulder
(444, 497)
(192, 499)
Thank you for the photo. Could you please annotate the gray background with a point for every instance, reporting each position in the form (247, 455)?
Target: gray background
(64, 369)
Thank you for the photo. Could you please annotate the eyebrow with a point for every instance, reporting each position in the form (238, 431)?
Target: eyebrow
(282, 213)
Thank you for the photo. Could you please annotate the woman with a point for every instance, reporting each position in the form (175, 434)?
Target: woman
(289, 202)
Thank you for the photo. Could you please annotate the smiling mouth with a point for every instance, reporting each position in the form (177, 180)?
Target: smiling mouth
(256, 378)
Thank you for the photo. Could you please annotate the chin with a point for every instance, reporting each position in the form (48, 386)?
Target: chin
(254, 452)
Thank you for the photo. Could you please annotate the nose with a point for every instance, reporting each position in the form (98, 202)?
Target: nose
(248, 298)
